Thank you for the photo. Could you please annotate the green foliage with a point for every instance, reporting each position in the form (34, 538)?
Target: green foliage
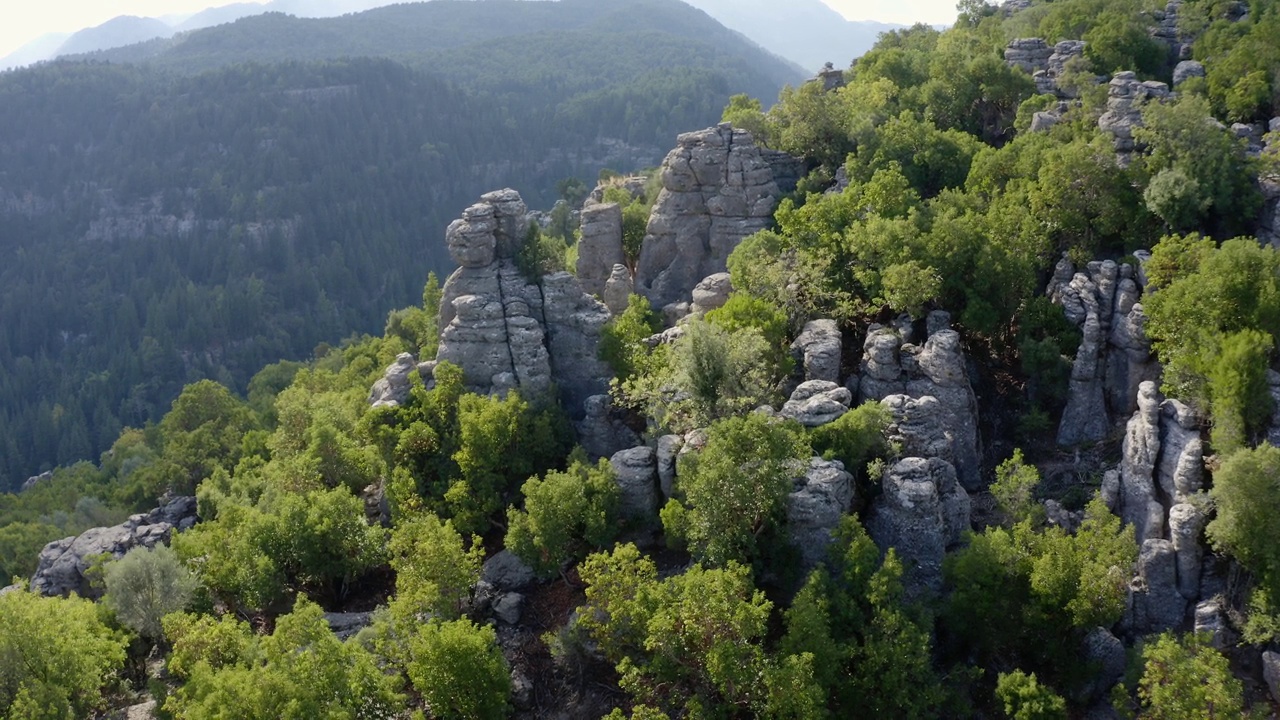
(732, 494)
(1024, 698)
(1186, 677)
(458, 670)
(434, 569)
(215, 642)
(690, 641)
(1209, 298)
(56, 656)
(1247, 498)
(1014, 488)
(145, 585)
(706, 374)
(201, 432)
(620, 338)
(1239, 397)
(564, 513)
(744, 111)
(743, 312)
(540, 254)
(300, 670)
(855, 438)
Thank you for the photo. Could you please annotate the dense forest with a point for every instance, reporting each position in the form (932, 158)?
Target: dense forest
(952, 196)
(159, 227)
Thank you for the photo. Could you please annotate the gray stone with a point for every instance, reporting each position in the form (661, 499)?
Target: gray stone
(1104, 651)
(601, 432)
(818, 350)
(1156, 604)
(817, 402)
(822, 496)
(62, 564)
(942, 375)
(637, 475)
(669, 447)
(345, 625)
(711, 293)
(1085, 418)
(1271, 673)
(600, 247)
(921, 511)
(618, 289)
(1186, 523)
(506, 608)
(1211, 618)
(36, 480)
(1186, 70)
(393, 388)
(917, 427)
(471, 238)
(505, 572)
(881, 369)
(1028, 54)
(717, 189)
(1138, 461)
(1180, 472)
(1126, 96)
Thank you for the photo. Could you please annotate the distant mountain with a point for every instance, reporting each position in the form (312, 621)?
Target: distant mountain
(116, 32)
(806, 32)
(42, 48)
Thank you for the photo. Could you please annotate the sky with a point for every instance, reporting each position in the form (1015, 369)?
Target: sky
(22, 22)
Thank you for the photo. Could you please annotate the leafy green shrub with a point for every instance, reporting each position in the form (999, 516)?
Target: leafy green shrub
(434, 570)
(564, 513)
(145, 585)
(459, 670)
(1024, 698)
(1186, 677)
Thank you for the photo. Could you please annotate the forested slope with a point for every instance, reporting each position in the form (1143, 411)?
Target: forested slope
(161, 226)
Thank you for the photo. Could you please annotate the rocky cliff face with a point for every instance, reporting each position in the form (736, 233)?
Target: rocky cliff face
(506, 332)
(717, 188)
(1103, 299)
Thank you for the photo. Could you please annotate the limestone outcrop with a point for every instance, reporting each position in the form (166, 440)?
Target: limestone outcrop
(717, 188)
(1126, 95)
(506, 332)
(63, 563)
(816, 403)
(822, 496)
(1103, 299)
(936, 369)
(393, 388)
(600, 247)
(817, 350)
(711, 293)
(922, 511)
(1030, 55)
(637, 475)
(601, 432)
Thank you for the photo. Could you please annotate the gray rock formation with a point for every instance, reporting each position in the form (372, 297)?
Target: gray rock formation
(347, 625)
(63, 563)
(505, 572)
(637, 475)
(601, 432)
(393, 388)
(711, 293)
(717, 188)
(1211, 618)
(937, 370)
(1271, 673)
(1139, 504)
(1186, 523)
(817, 350)
(917, 427)
(1030, 55)
(816, 403)
(922, 511)
(507, 333)
(36, 480)
(1167, 32)
(600, 247)
(618, 289)
(668, 450)
(1107, 653)
(1155, 604)
(822, 496)
(1114, 357)
(1186, 70)
(1126, 95)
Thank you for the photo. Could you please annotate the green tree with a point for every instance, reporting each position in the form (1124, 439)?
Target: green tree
(459, 670)
(620, 338)
(1024, 698)
(434, 569)
(56, 656)
(1014, 488)
(1186, 677)
(855, 438)
(732, 494)
(1247, 498)
(145, 585)
(564, 514)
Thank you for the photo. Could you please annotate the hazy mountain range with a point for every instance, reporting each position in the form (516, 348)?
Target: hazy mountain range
(806, 32)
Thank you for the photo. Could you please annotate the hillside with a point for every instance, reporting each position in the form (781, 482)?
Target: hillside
(306, 195)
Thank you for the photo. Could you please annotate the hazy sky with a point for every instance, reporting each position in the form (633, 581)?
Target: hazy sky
(22, 22)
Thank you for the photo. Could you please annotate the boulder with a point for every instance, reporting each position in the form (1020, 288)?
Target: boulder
(1106, 652)
(505, 572)
(1155, 603)
(717, 189)
(637, 475)
(921, 512)
(393, 388)
(669, 447)
(1186, 70)
(506, 607)
(1028, 54)
(1211, 618)
(881, 374)
(1271, 673)
(1186, 523)
(1139, 453)
(711, 293)
(63, 563)
(917, 427)
(942, 374)
(821, 497)
(601, 432)
(346, 625)
(817, 350)
(618, 289)
(816, 403)
(1180, 472)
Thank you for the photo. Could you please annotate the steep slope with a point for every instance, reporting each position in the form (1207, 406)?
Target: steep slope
(42, 48)
(116, 32)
